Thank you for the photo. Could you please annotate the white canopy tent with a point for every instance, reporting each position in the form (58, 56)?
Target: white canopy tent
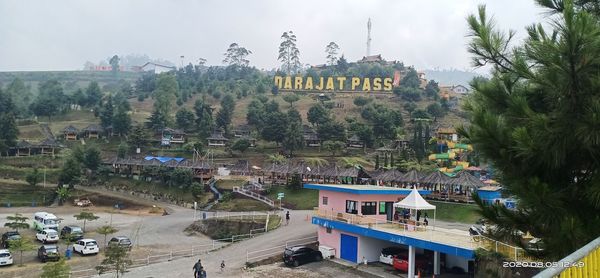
(415, 201)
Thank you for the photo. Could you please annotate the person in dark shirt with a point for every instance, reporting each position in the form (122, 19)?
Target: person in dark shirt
(197, 268)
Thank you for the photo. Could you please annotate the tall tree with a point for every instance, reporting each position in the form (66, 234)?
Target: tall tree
(293, 137)
(432, 89)
(332, 51)
(21, 245)
(138, 137)
(21, 96)
(236, 55)
(223, 118)
(289, 55)
(411, 79)
(114, 63)
(536, 120)
(342, 65)
(317, 114)
(50, 101)
(93, 94)
(8, 124)
(184, 119)
(204, 118)
(121, 122)
(107, 112)
(166, 90)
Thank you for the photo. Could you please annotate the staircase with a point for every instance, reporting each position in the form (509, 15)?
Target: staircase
(254, 195)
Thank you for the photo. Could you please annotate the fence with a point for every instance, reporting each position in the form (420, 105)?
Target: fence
(427, 232)
(254, 256)
(254, 195)
(242, 215)
(584, 262)
(152, 258)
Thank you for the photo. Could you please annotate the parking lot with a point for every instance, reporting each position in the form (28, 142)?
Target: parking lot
(151, 233)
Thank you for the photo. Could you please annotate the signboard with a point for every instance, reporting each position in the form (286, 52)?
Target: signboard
(280, 196)
(333, 83)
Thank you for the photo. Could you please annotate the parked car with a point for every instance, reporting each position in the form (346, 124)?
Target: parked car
(48, 253)
(121, 241)
(74, 232)
(301, 254)
(47, 235)
(5, 257)
(8, 236)
(86, 246)
(421, 263)
(388, 254)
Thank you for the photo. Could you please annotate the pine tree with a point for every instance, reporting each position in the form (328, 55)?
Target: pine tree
(536, 120)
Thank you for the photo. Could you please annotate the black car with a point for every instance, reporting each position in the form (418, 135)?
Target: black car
(121, 241)
(301, 254)
(8, 236)
(48, 253)
(75, 233)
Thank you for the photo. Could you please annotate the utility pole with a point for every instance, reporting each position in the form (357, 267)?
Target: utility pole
(44, 176)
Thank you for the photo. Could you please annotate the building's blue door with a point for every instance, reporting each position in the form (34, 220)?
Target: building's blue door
(349, 248)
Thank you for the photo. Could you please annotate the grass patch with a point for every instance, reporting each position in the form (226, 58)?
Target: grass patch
(295, 199)
(463, 213)
(153, 187)
(17, 173)
(229, 184)
(24, 195)
(241, 204)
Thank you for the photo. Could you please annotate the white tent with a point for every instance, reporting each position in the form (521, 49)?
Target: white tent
(416, 202)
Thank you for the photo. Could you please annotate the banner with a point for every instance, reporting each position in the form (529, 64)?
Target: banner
(333, 84)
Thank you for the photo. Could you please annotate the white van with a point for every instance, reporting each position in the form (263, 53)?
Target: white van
(44, 220)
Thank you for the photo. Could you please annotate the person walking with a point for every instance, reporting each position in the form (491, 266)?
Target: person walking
(287, 218)
(197, 268)
(222, 265)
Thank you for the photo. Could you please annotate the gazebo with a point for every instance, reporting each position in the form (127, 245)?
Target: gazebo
(414, 201)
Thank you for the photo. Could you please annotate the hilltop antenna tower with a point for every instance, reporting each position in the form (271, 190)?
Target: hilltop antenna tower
(369, 37)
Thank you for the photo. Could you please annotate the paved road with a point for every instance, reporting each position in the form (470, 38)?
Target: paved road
(234, 255)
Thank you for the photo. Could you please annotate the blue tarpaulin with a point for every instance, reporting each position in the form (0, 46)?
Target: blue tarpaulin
(164, 159)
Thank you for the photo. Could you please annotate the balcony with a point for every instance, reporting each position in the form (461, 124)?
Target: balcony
(422, 236)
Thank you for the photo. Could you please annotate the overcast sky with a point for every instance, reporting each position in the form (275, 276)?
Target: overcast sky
(63, 35)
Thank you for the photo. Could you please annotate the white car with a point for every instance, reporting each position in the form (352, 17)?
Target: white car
(388, 254)
(47, 235)
(86, 246)
(5, 257)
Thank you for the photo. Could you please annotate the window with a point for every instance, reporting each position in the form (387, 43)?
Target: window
(325, 200)
(351, 207)
(328, 230)
(368, 208)
(382, 208)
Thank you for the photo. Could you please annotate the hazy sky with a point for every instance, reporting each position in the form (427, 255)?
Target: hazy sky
(63, 35)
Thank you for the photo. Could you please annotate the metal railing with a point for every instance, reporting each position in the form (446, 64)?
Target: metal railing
(417, 230)
(254, 195)
(257, 255)
(165, 256)
(584, 262)
(242, 215)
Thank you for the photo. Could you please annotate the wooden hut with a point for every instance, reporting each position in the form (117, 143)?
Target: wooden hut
(70, 132)
(312, 139)
(172, 136)
(23, 148)
(241, 131)
(355, 142)
(92, 131)
(217, 139)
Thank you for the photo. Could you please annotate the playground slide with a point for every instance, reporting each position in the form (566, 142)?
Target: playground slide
(442, 156)
(466, 147)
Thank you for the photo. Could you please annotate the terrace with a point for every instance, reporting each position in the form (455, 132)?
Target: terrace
(450, 241)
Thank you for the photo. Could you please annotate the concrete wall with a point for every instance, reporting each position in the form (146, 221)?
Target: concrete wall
(330, 240)
(337, 201)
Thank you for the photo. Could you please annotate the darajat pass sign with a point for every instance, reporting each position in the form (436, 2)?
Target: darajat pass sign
(334, 83)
